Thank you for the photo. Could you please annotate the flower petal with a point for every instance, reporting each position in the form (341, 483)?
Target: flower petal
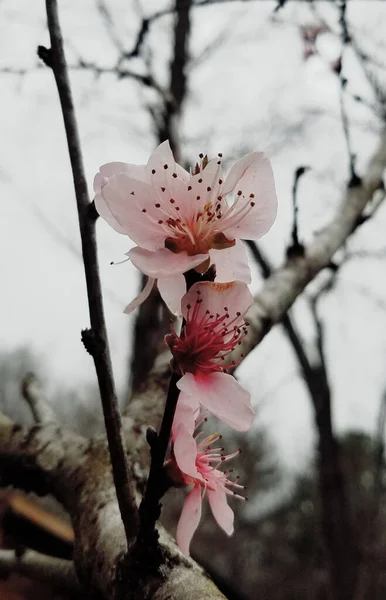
(162, 156)
(129, 205)
(222, 512)
(222, 395)
(189, 520)
(145, 293)
(231, 263)
(163, 262)
(172, 289)
(187, 411)
(237, 171)
(136, 171)
(103, 207)
(169, 180)
(185, 452)
(253, 176)
(203, 189)
(215, 296)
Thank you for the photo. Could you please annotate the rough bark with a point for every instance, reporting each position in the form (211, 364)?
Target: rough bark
(57, 572)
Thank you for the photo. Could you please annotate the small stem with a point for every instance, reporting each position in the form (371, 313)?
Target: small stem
(95, 339)
(150, 508)
(157, 483)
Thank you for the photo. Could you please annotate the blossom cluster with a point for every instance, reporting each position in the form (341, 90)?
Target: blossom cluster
(182, 221)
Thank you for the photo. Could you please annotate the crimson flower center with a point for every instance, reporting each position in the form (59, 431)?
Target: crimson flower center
(206, 339)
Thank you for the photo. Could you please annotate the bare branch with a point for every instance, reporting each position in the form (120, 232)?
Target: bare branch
(296, 248)
(41, 409)
(284, 286)
(172, 109)
(57, 572)
(345, 39)
(109, 24)
(95, 339)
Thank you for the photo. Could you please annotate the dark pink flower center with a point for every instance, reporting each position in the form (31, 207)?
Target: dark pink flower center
(206, 339)
(208, 459)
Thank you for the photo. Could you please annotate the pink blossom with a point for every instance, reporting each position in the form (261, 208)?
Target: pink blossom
(215, 325)
(182, 221)
(197, 463)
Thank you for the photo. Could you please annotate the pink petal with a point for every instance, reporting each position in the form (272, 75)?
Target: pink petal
(222, 512)
(122, 200)
(189, 520)
(162, 156)
(172, 289)
(215, 296)
(253, 176)
(145, 293)
(163, 262)
(103, 207)
(185, 452)
(169, 180)
(136, 171)
(238, 170)
(231, 263)
(222, 395)
(102, 178)
(187, 411)
(203, 188)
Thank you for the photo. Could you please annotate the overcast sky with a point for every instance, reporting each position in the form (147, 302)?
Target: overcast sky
(253, 92)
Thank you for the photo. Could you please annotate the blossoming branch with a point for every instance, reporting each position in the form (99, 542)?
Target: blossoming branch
(193, 222)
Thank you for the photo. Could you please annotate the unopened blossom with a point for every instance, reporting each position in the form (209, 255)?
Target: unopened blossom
(183, 221)
(197, 463)
(214, 327)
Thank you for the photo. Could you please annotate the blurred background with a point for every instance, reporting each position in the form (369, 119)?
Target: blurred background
(303, 81)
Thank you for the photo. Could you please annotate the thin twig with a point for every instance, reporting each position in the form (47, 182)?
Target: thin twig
(296, 248)
(41, 409)
(156, 484)
(95, 339)
(345, 40)
(172, 107)
(288, 324)
(109, 24)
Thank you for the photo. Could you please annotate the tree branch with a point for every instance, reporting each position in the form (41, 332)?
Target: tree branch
(95, 339)
(41, 409)
(285, 285)
(58, 572)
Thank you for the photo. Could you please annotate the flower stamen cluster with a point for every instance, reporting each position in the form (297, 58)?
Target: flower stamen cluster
(206, 339)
